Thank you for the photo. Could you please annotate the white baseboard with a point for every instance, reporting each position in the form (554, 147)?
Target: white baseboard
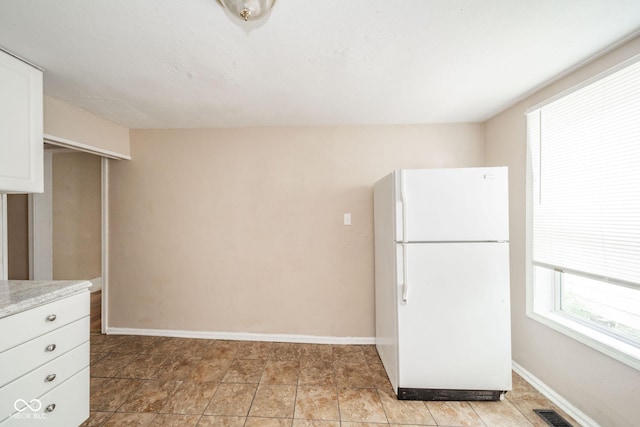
(550, 394)
(242, 336)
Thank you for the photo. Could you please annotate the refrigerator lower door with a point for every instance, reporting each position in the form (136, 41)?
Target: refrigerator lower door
(454, 329)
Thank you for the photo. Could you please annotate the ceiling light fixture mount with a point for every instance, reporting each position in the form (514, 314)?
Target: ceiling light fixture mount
(248, 10)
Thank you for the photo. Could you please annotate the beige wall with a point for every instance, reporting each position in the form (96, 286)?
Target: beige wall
(18, 236)
(240, 230)
(601, 387)
(76, 205)
(65, 121)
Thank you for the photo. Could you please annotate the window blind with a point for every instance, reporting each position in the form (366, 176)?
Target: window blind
(585, 161)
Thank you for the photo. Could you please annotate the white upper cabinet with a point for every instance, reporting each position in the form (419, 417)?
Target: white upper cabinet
(21, 145)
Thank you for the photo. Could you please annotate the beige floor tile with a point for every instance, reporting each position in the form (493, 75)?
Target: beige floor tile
(232, 400)
(405, 411)
(349, 353)
(454, 414)
(129, 420)
(96, 419)
(360, 405)
(370, 350)
(351, 374)
(195, 346)
(96, 357)
(176, 367)
(166, 345)
(301, 385)
(268, 422)
(527, 404)
(380, 378)
(526, 398)
(317, 373)
(111, 365)
(134, 344)
(107, 343)
(317, 403)
(376, 365)
(519, 384)
(209, 370)
(109, 394)
(221, 421)
(144, 366)
(281, 372)
(353, 424)
(410, 425)
(314, 423)
(224, 348)
(254, 350)
(190, 398)
(220, 352)
(245, 371)
(316, 352)
(285, 351)
(175, 420)
(372, 359)
(96, 384)
(99, 343)
(273, 401)
(502, 414)
(150, 397)
(339, 350)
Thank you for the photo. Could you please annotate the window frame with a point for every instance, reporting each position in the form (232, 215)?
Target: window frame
(543, 300)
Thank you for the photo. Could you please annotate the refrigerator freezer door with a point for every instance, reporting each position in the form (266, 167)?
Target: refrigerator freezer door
(454, 329)
(445, 205)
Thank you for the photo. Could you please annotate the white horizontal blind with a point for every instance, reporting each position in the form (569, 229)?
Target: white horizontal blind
(585, 159)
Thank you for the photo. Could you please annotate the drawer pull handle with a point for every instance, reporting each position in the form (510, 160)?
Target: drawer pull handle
(50, 378)
(50, 408)
(51, 317)
(50, 347)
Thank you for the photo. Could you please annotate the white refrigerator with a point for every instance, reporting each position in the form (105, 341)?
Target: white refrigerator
(442, 282)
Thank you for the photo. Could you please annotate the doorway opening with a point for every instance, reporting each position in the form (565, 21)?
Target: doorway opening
(58, 234)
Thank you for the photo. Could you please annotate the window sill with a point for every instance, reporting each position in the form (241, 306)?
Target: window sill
(621, 351)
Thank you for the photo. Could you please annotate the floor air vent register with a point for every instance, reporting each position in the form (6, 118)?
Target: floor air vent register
(552, 418)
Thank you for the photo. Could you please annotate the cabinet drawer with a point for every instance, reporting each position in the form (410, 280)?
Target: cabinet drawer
(19, 360)
(43, 379)
(21, 327)
(65, 406)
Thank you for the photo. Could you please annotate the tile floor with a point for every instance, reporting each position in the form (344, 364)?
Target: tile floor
(159, 381)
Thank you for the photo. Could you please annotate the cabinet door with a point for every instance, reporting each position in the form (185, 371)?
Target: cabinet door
(21, 145)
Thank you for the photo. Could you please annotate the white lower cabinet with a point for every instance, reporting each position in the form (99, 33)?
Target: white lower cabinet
(45, 379)
(65, 406)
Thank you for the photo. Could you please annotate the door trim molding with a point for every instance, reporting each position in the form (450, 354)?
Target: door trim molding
(40, 224)
(79, 146)
(105, 243)
(4, 245)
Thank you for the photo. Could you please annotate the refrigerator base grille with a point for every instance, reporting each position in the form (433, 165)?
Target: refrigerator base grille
(434, 394)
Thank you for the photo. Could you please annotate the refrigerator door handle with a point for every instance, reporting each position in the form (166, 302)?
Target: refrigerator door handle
(403, 200)
(405, 283)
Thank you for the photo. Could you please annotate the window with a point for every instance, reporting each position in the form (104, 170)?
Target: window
(584, 213)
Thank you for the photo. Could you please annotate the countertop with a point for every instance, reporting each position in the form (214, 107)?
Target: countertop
(20, 295)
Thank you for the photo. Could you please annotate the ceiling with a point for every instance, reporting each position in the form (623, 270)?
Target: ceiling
(186, 63)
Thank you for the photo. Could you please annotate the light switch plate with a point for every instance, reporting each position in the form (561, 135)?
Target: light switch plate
(347, 219)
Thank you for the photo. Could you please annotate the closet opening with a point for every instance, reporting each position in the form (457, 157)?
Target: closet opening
(60, 234)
